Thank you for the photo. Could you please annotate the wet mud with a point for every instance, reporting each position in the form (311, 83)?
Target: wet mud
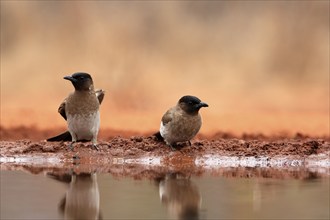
(145, 156)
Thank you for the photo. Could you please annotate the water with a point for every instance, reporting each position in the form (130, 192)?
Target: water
(171, 196)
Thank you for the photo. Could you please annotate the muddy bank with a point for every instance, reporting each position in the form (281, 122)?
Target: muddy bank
(142, 146)
(149, 151)
(129, 150)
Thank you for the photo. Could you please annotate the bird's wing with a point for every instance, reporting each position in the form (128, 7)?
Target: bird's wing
(167, 117)
(100, 95)
(61, 109)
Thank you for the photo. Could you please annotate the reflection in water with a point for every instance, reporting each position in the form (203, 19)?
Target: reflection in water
(260, 193)
(180, 196)
(82, 199)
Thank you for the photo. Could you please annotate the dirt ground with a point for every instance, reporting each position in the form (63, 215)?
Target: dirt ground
(118, 148)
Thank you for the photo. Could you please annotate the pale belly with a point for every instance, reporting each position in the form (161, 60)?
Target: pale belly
(84, 127)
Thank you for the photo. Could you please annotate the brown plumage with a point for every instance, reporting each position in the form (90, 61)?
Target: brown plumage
(99, 95)
(182, 122)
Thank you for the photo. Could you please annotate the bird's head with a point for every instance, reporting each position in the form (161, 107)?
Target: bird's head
(191, 104)
(81, 81)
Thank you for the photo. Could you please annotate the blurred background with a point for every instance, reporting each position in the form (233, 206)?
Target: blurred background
(262, 66)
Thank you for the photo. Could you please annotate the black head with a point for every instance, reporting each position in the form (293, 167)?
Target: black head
(81, 81)
(191, 104)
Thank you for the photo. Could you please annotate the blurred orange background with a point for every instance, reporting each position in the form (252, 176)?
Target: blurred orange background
(262, 66)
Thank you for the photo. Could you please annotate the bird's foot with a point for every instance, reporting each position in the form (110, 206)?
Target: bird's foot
(172, 146)
(96, 147)
(71, 146)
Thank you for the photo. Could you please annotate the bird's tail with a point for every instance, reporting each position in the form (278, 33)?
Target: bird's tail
(158, 136)
(66, 136)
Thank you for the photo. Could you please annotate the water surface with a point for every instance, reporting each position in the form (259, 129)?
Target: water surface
(171, 196)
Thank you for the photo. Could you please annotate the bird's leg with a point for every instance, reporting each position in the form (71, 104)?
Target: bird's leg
(74, 139)
(96, 147)
(172, 146)
(95, 144)
(71, 145)
(189, 142)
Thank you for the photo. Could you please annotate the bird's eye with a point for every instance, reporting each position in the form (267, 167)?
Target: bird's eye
(81, 77)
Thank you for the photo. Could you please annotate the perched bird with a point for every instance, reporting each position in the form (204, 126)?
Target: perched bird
(81, 111)
(182, 122)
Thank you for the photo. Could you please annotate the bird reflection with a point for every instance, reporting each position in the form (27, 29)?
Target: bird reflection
(180, 196)
(82, 199)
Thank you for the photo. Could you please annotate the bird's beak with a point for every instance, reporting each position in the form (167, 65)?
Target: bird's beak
(203, 104)
(70, 78)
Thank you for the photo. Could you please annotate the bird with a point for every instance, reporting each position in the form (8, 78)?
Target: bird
(81, 111)
(182, 122)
